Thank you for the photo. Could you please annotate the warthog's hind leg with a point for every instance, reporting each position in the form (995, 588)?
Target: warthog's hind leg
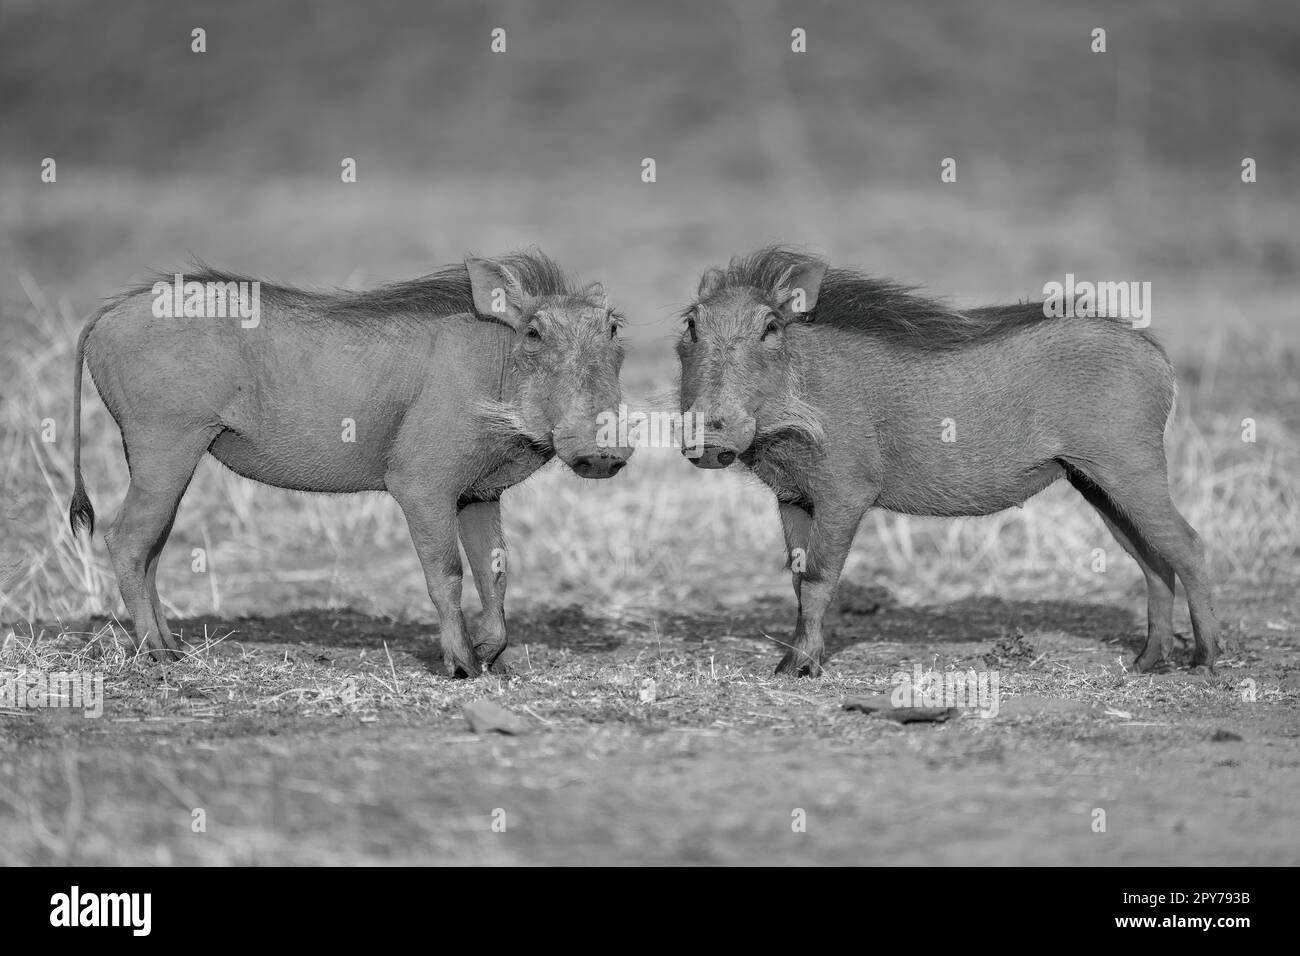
(1158, 572)
(1139, 491)
(151, 585)
(161, 465)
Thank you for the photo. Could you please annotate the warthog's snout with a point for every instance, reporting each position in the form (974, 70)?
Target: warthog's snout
(592, 447)
(711, 456)
(602, 464)
(725, 438)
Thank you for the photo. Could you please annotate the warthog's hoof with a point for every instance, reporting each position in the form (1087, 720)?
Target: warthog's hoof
(1204, 660)
(459, 667)
(489, 652)
(799, 664)
(1155, 655)
(1155, 665)
(165, 655)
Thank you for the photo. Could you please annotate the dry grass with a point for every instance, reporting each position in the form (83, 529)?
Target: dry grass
(664, 534)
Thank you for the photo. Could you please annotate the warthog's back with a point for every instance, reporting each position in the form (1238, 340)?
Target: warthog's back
(304, 399)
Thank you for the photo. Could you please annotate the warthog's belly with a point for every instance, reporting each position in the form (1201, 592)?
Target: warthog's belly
(303, 461)
(955, 494)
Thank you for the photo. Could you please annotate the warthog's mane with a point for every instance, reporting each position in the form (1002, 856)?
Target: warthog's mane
(887, 310)
(445, 291)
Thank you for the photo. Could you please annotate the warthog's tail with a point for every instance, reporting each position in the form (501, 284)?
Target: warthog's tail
(80, 513)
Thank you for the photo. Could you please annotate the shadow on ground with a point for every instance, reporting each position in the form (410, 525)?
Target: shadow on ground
(863, 615)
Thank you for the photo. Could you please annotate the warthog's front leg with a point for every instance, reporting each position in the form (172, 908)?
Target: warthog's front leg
(795, 522)
(485, 546)
(829, 537)
(431, 518)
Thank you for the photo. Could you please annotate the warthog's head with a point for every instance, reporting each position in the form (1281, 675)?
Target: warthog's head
(735, 350)
(565, 359)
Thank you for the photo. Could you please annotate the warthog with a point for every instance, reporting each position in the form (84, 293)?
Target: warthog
(443, 391)
(842, 392)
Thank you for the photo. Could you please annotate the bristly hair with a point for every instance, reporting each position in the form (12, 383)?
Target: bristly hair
(891, 312)
(443, 292)
(504, 421)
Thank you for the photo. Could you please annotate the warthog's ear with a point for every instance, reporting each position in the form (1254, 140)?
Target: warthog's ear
(712, 280)
(797, 291)
(596, 293)
(497, 292)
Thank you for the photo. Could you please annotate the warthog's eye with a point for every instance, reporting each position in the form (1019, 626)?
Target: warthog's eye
(772, 334)
(532, 339)
(690, 329)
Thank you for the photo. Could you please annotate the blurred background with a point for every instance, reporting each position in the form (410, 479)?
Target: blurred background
(1122, 165)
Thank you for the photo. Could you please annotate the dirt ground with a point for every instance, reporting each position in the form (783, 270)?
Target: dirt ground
(330, 736)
